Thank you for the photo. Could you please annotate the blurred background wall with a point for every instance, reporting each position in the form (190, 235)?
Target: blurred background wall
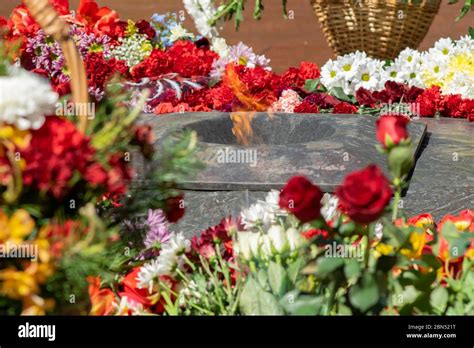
(285, 42)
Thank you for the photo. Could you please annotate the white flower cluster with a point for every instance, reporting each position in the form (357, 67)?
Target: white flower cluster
(202, 11)
(178, 33)
(25, 99)
(133, 49)
(238, 54)
(262, 214)
(264, 246)
(166, 263)
(353, 71)
(449, 64)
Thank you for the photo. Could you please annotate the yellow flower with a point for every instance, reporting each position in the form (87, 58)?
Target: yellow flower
(383, 249)
(17, 284)
(20, 139)
(16, 228)
(417, 241)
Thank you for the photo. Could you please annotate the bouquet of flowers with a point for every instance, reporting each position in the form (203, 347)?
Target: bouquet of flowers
(63, 191)
(302, 252)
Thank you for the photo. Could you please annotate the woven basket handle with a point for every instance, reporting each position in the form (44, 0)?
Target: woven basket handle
(55, 26)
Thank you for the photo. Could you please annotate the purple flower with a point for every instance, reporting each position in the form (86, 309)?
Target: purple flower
(158, 231)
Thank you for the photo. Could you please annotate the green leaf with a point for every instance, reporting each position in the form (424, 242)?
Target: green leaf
(439, 299)
(256, 301)
(365, 294)
(385, 263)
(338, 92)
(311, 85)
(296, 304)
(294, 268)
(458, 241)
(471, 32)
(327, 265)
(277, 278)
(352, 269)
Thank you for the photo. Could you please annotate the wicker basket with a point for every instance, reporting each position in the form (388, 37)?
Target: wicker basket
(53, 25)
(381, 28)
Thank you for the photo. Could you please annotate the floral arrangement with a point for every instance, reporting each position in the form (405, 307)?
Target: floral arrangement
(63, 192)
(303, 252)
(186, 73)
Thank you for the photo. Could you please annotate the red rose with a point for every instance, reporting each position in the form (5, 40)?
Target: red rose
(392, 129)
(301, 198)
(365, 98)
(174, 208)
(145, 28)
(427, 103)
(344, 108)
(364, 194)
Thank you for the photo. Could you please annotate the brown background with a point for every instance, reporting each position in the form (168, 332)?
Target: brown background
(285, 42)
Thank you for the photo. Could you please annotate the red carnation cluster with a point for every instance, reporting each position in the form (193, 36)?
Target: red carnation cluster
(430, 101)
(205, 245)
(99, 70)
(187, 60)
(296, 77)
(58, 151)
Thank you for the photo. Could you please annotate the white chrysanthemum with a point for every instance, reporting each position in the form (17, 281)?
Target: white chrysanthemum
(348, 65)
(409, 57)
(257, 215)
(465, 44)
(128, 306)
(166, 263)
(369, 75)
(330, 75)
(148, 274)
(202, 11)
(392, 73)
(219, 45)
(444, 46)
(178, 33)
(25, 99)
(273, 199)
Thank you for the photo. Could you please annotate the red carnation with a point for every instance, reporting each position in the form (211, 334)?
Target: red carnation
(391, 129)
(306, 107)
(57, 150)
(413, 93)
(301, 198)
(174, 208)
(451, 106)
(381, 96)
(396, 91)
(364, 194)
(323, 100)
(345, 108)
(187, 60)
(365, 98)
(427, 103)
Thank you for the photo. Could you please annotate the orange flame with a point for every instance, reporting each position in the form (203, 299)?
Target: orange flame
(242, 119)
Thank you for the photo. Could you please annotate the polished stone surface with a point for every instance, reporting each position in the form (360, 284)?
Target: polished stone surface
(442, 182)
(324, 148)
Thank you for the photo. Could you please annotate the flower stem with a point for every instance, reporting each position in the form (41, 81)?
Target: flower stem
(398, 194)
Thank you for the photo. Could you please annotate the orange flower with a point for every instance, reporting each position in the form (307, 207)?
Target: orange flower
(102, 300)
(102, 20)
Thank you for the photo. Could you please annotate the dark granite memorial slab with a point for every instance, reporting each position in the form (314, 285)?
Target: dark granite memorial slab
(324, 148)
(441, 183)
